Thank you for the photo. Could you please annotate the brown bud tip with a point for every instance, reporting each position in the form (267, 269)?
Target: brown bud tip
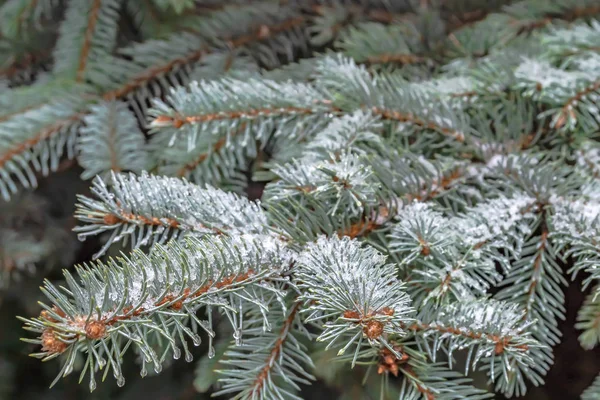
(500, 345)
(499, 348)
(178, 305)
(561, 120)
(349, 314)
(387, 311)
(373, 329)
(50, 343)
(389, 359)
(178, 123)
(95, 329)
(110, 219)
(264, 32)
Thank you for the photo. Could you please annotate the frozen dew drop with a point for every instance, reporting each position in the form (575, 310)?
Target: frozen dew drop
(121, 381)
(158, 368)
(189, 357)
(176, 353)
(196, 340)
(211, 352)
(237, 335)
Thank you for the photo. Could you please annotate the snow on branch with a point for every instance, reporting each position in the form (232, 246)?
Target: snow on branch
(149, 209)
(135, 300)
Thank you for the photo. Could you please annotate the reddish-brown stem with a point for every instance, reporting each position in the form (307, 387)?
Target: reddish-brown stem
(98, 328)
(178, 122)
(87, 39)
(44, 134)
(402, 59)
(183, 171)
(537, 266)
(500, 342)
(114, 219)
(264, 373)
(567, 109)
(408, 117)
(261, 33)
(367, 225)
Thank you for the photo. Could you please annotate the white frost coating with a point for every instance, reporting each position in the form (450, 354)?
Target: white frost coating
(496, 160)
(445, 86)
(345, 181)
(458, 254)
(345, 134)
(578, 219)
(179, 206)
(581, 35)
(547, 75)
(590, 62)
(493, 317)
(484, 222)
(203, 260)
(341, 275)
(494, 218)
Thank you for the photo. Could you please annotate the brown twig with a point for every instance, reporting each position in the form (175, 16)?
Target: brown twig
(43, 135)
(567, 109)
(264, 373)
(261, 33)
(98, 328)
(87, 39)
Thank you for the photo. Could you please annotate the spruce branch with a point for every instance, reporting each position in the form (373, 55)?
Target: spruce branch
(270, 364)
(345, 180)
(535, 282)
(131, 301)
(494, 332)
(374, 43)
(422, 379)
(223, 30)
(111, 141)
(34, 141)
(588, 320)
(352, 294)
(18, 15)
(397, 195)
(571, 94)
(573, 42)
(575, 229)
(92, 25)
(149, 209)
(593, 391)
(455, 259)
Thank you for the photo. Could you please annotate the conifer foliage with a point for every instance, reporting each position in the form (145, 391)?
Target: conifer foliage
(431, 187)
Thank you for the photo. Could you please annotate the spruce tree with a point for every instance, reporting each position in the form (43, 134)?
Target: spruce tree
(398, 192)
